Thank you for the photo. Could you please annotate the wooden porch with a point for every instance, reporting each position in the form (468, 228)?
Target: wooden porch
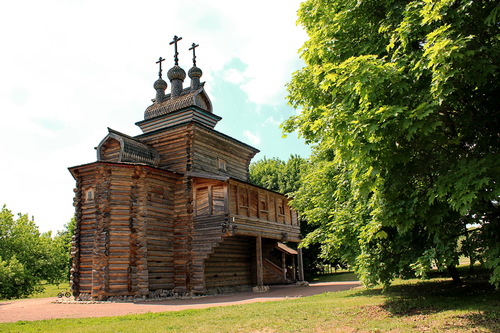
(237, 222)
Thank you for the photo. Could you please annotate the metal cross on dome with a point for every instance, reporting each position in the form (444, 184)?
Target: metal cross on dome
(193, 46)
(176, 39)
(159, 62)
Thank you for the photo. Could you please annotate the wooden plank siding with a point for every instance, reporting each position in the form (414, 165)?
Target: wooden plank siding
(232, 209)
(258, 211)
(252, 209)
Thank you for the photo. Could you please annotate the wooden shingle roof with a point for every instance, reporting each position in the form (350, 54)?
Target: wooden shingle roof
(130, 150)
(188, 98)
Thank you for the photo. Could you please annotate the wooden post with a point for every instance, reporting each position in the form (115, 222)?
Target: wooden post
(260, 268)
(237, 199)
(301, 265)
(283, 265)
(294, 277)
(226, 197)
(260, 288)
(210, 201)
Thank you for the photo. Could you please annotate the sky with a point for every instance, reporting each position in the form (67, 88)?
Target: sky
(69, 69)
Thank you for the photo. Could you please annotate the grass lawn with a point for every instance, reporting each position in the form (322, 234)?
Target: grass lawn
(408, 306)
(50, 290)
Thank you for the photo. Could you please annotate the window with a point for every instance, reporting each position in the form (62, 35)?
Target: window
(281, 207)
(210, 200)
(221, 164)
(264, 207)
(89, 195)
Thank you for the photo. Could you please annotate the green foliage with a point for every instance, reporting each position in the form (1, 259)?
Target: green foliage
(28, 257)
(63, 239)
(400, 100)
(15, 280)
(277, 175)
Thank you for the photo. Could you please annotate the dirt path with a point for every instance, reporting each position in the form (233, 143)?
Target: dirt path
(45, 308)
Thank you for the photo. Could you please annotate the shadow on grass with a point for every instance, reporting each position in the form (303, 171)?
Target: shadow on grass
(476, 302)
(335, 277)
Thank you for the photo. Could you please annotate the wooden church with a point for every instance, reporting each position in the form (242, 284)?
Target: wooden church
(170, 211)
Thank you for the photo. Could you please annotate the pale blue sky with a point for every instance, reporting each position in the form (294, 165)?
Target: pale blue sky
(70, 69)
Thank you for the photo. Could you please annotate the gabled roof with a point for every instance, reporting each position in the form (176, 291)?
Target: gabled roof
(188, 98)
(131, 150)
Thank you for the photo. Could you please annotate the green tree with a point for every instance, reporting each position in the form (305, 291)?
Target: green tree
(28, 257)
(400, 100)
(267, 173)
(63, 240)
(279, 176)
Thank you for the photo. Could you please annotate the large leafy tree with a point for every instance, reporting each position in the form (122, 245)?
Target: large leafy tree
(401, 102)
(28, 257)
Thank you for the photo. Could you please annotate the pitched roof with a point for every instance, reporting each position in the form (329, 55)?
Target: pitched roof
(188, 98)
(131, 150)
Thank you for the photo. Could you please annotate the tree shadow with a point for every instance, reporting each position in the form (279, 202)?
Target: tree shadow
(476, 297)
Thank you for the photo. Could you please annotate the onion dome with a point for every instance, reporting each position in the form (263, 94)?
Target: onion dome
(160, 84)
(195, 72)
(176, 73)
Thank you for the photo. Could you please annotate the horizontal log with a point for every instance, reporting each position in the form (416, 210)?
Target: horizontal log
(165, 286)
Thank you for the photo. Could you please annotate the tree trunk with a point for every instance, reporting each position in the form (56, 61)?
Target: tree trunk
(452, 270)
(471, 265)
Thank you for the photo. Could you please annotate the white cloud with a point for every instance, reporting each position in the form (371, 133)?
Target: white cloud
(270, 120)
(234, 76)
(253, 138)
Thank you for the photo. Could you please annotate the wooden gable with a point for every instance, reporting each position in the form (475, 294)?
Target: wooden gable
(119, 147)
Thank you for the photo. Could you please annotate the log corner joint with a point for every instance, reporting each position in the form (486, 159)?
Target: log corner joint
(228, 228)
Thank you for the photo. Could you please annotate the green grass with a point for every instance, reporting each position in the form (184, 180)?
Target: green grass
(51, 290)
(336, 277)
(408, 306)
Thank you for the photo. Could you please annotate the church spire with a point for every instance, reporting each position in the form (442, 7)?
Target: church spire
(176, 75)
(194, 72)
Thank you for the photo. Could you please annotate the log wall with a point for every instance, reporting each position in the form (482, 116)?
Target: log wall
(123, 239)
(215, 154)
(183, 235)
(207, 235)
(173, 145)
(192, 147)
(231, 264)
(160, 228)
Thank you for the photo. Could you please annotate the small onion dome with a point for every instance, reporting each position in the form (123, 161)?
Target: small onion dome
(176, 73)
(160, 84)
(195, 72)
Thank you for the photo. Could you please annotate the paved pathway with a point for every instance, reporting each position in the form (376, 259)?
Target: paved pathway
(45, 308)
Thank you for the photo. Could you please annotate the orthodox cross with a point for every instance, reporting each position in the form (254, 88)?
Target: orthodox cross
(159, 62)
(193, 46)
(176, 39)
